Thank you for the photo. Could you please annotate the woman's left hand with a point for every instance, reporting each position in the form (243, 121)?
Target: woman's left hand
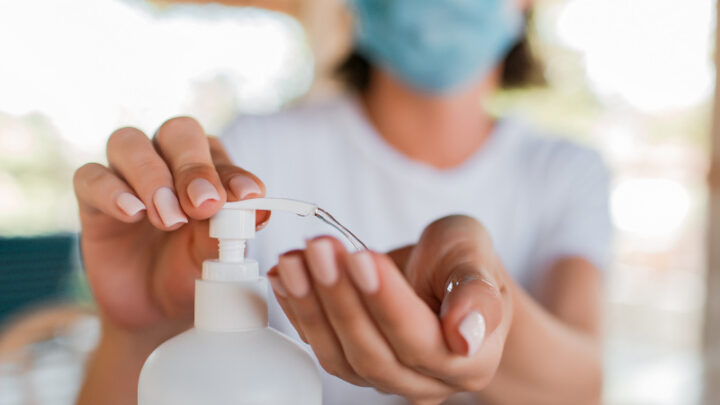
(423, 322)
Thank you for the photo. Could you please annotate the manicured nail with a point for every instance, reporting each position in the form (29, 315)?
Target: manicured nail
(168, 207)
(363, 272)
(129, 204)
(201, 190)
(262, 225)
(472, 329)
(264, 222)
(292, 274)
(321, 255)
(243, 186)
(277, 286)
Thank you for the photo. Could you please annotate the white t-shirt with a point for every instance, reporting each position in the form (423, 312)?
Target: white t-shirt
(540, 198)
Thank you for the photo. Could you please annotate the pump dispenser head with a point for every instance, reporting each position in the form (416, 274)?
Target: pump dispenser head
(233, 226)
(247, 221)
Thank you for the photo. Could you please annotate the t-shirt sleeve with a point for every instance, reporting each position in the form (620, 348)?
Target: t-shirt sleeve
(577, 219)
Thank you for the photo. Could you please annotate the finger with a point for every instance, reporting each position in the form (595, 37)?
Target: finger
(241, 183)
(281, 295)
(132, 155)
(399, 313)
(183, 144)
(471, 310)
(453, 252)
(98, 189)
(310, 317)
(365, 347)
(401, 255)
(476, 316)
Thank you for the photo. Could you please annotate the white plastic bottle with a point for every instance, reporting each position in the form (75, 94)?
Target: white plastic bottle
(231, 356)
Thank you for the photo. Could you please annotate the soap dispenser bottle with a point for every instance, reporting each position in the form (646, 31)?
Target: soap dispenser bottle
(231, 356)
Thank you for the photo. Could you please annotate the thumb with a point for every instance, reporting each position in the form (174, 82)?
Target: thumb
(471, 310)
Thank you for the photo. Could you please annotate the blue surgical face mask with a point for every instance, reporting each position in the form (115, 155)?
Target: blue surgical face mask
(436, 45)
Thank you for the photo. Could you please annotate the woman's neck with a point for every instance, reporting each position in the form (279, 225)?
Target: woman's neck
(440, 130)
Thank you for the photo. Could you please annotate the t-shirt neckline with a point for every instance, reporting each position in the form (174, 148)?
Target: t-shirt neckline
(367, 139)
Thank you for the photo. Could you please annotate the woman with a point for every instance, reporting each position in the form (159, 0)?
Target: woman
(499, 305)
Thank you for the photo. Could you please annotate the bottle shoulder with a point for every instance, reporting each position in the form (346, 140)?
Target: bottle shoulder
(229, 367)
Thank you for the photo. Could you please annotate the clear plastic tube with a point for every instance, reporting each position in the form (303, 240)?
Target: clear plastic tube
(330, 220)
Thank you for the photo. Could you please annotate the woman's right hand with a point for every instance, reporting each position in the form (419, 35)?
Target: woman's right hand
(144, 223)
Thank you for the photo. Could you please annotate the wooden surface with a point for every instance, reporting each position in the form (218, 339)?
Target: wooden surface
(712, 309)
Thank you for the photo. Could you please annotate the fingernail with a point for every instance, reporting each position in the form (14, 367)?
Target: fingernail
(321, 255)
(277, 286)
(262, 225)
(292, 274)
(265, 221)
(363, 272)
(201, 190)
(472, 329)
(129, 204)
(243, 186)
(168, 207)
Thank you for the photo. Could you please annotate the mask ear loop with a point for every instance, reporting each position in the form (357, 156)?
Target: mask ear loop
(330, 220)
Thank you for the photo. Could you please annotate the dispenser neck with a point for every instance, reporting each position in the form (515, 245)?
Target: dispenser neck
(231, 250)
(223, 306)
(231, 297)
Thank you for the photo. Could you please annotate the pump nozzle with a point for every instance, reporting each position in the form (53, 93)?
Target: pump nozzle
(301, 208)
(235, 223)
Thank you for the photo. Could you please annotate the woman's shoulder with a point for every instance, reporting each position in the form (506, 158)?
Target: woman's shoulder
(552, 155)
(295, 123)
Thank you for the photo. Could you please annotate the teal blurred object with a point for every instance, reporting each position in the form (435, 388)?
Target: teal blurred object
(35, 270)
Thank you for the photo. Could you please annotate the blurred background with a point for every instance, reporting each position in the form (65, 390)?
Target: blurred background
(634, 79)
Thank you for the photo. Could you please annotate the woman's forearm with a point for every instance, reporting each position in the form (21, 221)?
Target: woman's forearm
(545, 361)
(112, 373)
(113, 370)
